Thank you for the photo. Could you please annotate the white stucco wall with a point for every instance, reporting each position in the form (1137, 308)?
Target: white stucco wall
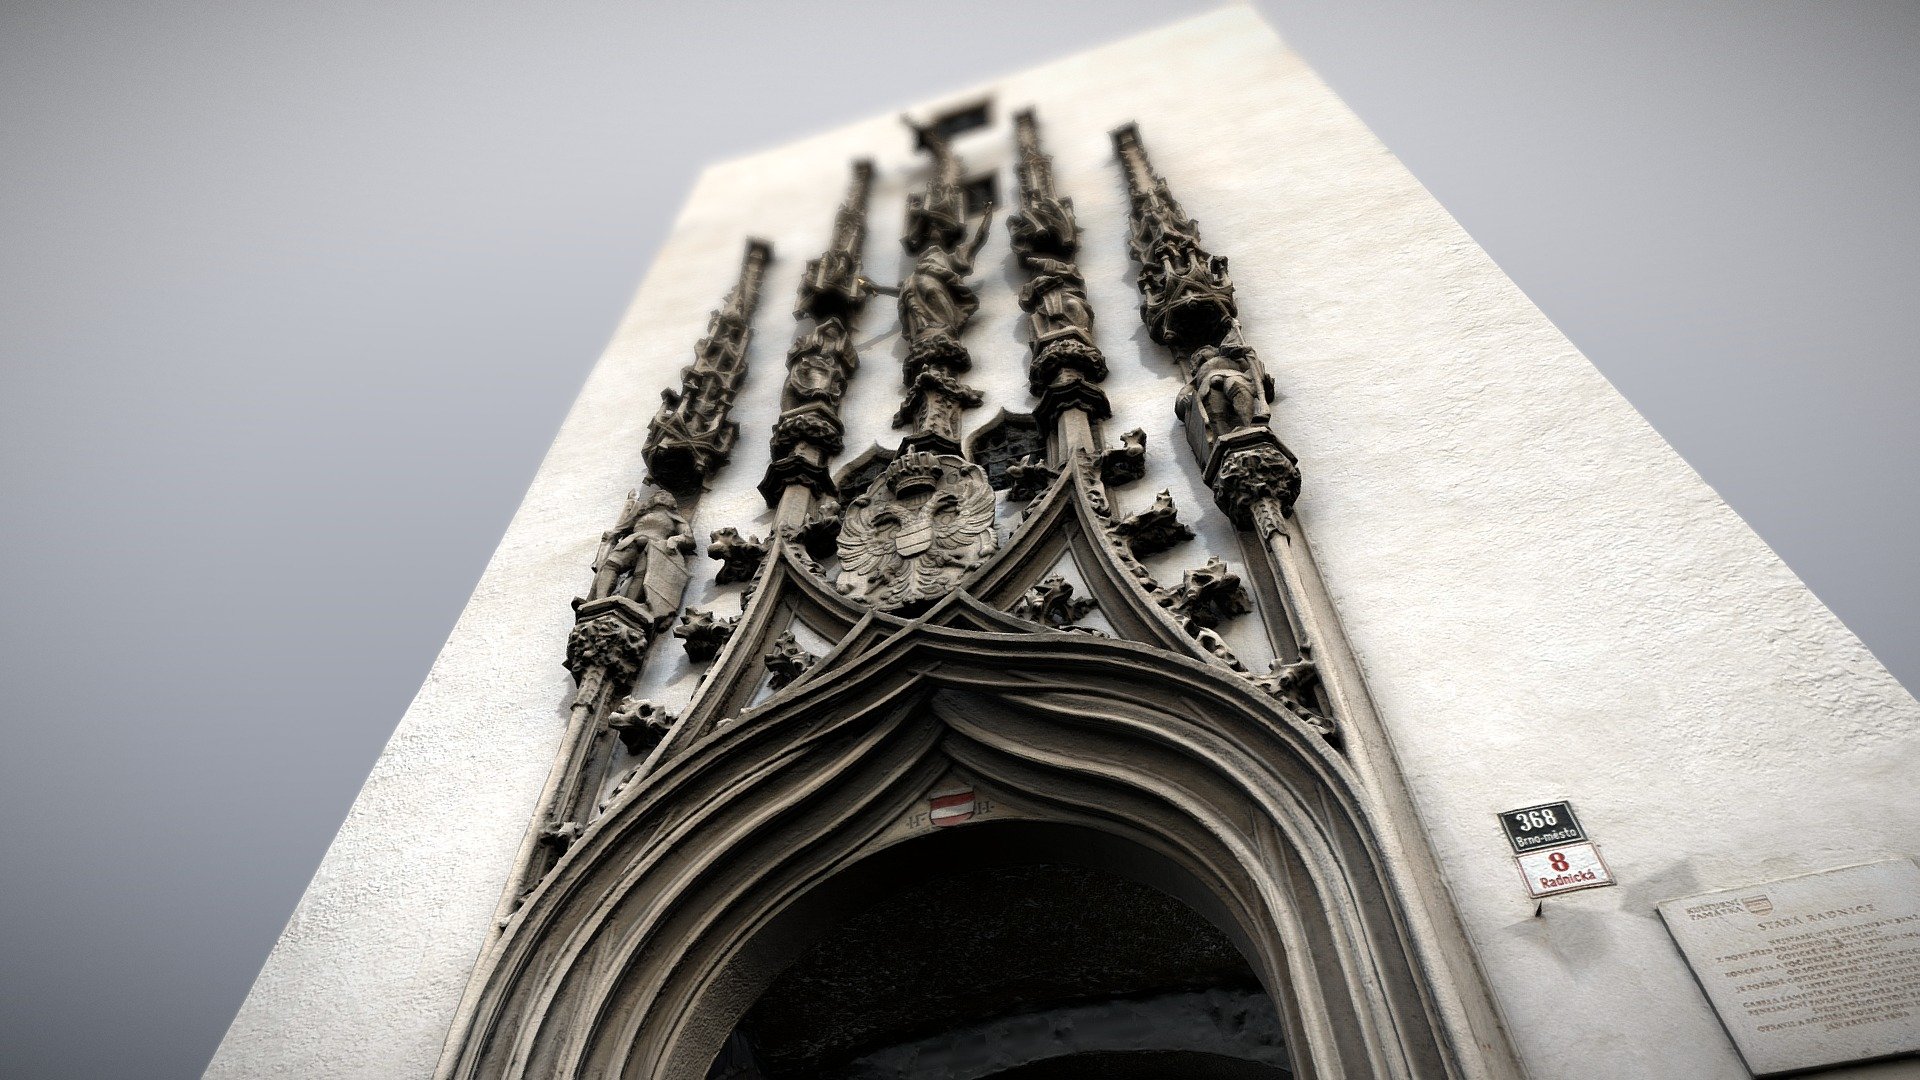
(1547, 601)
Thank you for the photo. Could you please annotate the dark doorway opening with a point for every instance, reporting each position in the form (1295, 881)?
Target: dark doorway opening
(1029, 970)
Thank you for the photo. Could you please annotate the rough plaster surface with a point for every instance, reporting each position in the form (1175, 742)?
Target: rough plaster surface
(1547, 601)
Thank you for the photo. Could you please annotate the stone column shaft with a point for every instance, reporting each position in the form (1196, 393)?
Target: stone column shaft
(822, 359)
(1064, 363)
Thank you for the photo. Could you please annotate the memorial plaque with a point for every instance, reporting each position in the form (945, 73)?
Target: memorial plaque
(1810, 971)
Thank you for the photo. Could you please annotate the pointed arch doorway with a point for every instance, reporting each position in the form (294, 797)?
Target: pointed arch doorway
(1008, 948)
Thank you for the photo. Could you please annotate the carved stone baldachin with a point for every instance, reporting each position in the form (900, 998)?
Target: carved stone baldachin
(1186, 295)
(925, 524)
(704, 634)
(739, 556)
(1155, 529)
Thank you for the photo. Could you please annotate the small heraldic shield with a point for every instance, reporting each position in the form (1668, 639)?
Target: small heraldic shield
(950, 804)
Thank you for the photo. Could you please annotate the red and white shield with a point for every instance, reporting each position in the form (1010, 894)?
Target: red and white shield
(950, 805)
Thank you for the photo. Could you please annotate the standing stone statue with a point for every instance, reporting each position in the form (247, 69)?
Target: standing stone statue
(935, 300)
(643, 558)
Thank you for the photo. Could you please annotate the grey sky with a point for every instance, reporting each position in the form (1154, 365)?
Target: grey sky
(293, 297)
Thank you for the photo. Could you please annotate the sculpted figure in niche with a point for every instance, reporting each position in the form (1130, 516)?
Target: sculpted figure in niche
(1231, 387)
(644, 556)
(1056, 299)
(815, 371)
(935, 300)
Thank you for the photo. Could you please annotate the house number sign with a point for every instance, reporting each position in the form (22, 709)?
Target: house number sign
(1552, 850)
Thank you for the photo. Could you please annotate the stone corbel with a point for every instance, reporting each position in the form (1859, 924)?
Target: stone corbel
(612, 634)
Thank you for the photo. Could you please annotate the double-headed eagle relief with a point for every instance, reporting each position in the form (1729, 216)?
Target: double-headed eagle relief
(926, 522)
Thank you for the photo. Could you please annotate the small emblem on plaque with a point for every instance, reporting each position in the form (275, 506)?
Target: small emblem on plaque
(1757, 905)
(950, 806)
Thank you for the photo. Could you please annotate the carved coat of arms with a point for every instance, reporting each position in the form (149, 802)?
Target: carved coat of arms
(924, 524)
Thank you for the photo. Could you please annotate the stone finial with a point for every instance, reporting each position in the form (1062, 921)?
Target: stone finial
(1127, 462)
(1155, 529)
(1052, 604)
(740, 557)
(787, 660)
(704, 634)
(640, 724)
(1208, 595)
